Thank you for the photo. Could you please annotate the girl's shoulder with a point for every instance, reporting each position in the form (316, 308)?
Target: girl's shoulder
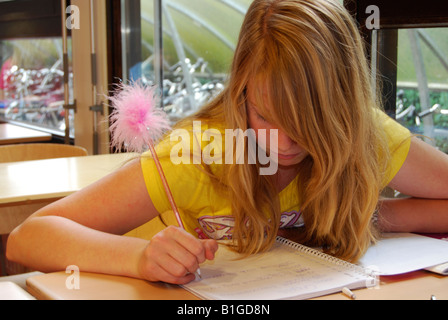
(398, 141)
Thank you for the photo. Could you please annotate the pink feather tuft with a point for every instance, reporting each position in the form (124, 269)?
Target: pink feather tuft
(136, 119)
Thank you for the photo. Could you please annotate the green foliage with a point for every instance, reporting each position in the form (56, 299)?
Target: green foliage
(411, 97)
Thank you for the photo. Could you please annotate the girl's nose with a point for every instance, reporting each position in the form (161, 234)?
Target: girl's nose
(284, 141)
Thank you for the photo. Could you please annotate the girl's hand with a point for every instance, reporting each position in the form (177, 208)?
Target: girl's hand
(173, 255)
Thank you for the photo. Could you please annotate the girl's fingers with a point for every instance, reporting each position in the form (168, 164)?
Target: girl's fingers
(174, 255)
(210, 246)
(160, 274)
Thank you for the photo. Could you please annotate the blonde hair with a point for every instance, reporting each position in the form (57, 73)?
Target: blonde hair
(310, 56)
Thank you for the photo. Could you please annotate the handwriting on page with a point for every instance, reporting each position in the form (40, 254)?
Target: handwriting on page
(263, 276)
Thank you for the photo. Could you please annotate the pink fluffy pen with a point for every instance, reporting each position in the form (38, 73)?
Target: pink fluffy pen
(165, 184)
(137, 123)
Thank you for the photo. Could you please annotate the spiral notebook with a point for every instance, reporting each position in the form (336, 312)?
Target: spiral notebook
(288, 271)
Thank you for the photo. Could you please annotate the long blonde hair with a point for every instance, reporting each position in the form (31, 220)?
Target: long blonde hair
(311, 57)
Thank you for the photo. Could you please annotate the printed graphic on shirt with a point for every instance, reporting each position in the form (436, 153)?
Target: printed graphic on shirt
(221, 227)
(216, 227)
(291, 219)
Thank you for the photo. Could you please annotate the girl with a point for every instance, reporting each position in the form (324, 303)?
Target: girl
(299, 70)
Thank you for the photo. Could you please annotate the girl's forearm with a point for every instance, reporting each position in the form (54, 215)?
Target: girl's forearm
(52, 243)
(414, 215)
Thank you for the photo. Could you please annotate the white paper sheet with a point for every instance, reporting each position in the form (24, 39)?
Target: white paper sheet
(398, 253)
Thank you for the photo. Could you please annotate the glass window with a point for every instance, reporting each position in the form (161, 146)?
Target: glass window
(32, 83)
(199, 38)
(422, 86)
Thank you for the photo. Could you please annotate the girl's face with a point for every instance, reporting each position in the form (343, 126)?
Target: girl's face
(289, 152)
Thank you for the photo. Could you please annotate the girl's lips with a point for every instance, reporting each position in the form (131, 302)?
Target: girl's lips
(287, 156)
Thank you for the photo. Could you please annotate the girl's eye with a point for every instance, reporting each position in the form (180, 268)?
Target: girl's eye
(261, 117)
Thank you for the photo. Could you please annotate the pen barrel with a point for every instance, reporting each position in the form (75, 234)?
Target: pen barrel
(165, 184)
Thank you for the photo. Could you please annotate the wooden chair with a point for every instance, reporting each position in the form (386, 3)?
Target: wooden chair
(28, 152)
(39, 151)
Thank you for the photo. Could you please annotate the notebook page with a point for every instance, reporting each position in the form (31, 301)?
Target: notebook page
(282, 273)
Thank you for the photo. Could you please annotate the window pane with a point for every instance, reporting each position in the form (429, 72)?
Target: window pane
(422, 89)
(199, 38)
(32, 83)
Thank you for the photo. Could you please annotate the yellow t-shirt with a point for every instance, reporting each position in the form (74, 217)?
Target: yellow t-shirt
(204, 212)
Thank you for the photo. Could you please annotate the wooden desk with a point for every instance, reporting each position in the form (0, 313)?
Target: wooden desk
(10, 134)
(419, 285)
(94, 286)
(27, 186)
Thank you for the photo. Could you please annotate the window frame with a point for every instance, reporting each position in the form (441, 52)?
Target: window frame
(30, 19)
(394, 15)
